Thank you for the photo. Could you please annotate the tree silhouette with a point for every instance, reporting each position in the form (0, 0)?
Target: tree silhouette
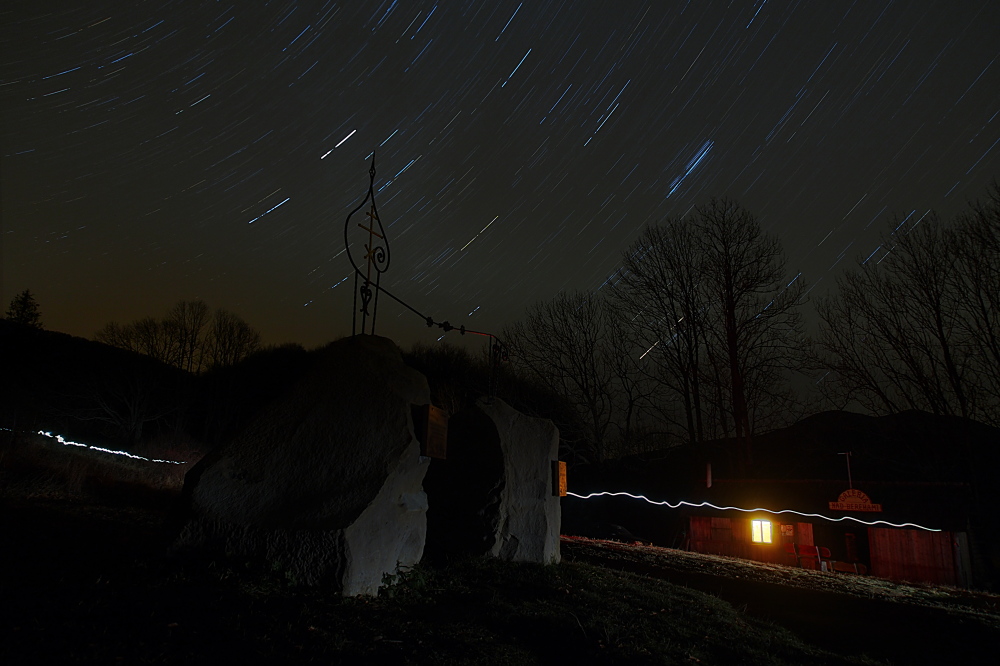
(976, 284)
(917, 324)
(747, 283)
(720, 314)
(186, 323)
(187, 338)
(230, 340)
(148, 336)
(581, 347)
(660, 284)
(24, 310)
(562, 344)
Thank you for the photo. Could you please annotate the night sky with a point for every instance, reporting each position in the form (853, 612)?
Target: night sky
(153, 152)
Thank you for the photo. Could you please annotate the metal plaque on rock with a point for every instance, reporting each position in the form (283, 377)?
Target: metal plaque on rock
(431, 426)
(559, 484)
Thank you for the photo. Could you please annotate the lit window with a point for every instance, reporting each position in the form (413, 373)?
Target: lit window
(760, 531)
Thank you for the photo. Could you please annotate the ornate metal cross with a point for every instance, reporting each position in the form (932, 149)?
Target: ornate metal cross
(376, 258)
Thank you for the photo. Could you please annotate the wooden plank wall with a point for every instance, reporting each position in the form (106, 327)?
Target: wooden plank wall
(897, 554)
(731, 536)
(913, 555)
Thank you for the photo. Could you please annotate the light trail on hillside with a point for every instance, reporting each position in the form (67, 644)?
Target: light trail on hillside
(65, 442)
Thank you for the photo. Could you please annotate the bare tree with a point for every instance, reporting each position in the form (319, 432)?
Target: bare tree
(581, 347)
(186, 324)
(720, 313)
(916, 325)
(758, 333)
(147, 336)
(230, 340)
(561, 344)
(632, 386)
(660, 285)
(127, 400)
(976, 285)
(900, 352)
(116, 335)
(187, 338)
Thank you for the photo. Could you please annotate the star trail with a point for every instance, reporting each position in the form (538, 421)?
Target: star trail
(154, 152)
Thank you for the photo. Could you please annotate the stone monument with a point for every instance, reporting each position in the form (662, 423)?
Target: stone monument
(325, 484)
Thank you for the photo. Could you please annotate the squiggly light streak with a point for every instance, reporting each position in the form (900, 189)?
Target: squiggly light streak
(694, 505)
(66, 442)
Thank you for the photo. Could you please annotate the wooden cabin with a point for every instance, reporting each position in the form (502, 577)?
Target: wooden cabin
(838, 481)
(852, 530)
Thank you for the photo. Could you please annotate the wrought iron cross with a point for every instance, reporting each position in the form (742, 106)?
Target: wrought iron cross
(376, 258)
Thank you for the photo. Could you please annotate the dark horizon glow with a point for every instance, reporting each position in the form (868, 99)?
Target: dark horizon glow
(161, 152)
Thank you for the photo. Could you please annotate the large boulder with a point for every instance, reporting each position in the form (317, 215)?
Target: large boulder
(325, 483)
(493, 494)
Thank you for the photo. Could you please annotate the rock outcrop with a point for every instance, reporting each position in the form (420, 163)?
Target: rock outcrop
(493, 494)
(325, 483)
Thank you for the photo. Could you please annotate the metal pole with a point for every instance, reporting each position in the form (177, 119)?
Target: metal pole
(850, 482)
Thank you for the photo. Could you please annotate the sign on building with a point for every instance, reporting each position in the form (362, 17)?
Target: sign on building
(853, 499)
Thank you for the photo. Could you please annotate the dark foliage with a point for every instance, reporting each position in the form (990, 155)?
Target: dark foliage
(24, 310)
(84, 389)
(457, 380)
(93, 392)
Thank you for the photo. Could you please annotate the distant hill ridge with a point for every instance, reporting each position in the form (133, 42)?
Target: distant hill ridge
(912, 446)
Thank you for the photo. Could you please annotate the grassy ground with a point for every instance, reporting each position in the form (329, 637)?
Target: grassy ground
(843, 613)
(85, 579)
(88, 583)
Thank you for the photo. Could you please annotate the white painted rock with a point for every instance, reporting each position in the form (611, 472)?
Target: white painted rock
(326, 483)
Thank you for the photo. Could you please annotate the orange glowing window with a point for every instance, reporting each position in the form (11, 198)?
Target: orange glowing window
(760, 531)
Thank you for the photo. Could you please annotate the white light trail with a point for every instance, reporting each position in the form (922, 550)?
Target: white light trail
(480, 232)
(648, 350)
(697, 505)
(339, 144)
(346, 138)
(516, 68)
(66, 442)
(269, 210)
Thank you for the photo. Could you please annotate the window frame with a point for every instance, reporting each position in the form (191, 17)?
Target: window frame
(761, 531)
